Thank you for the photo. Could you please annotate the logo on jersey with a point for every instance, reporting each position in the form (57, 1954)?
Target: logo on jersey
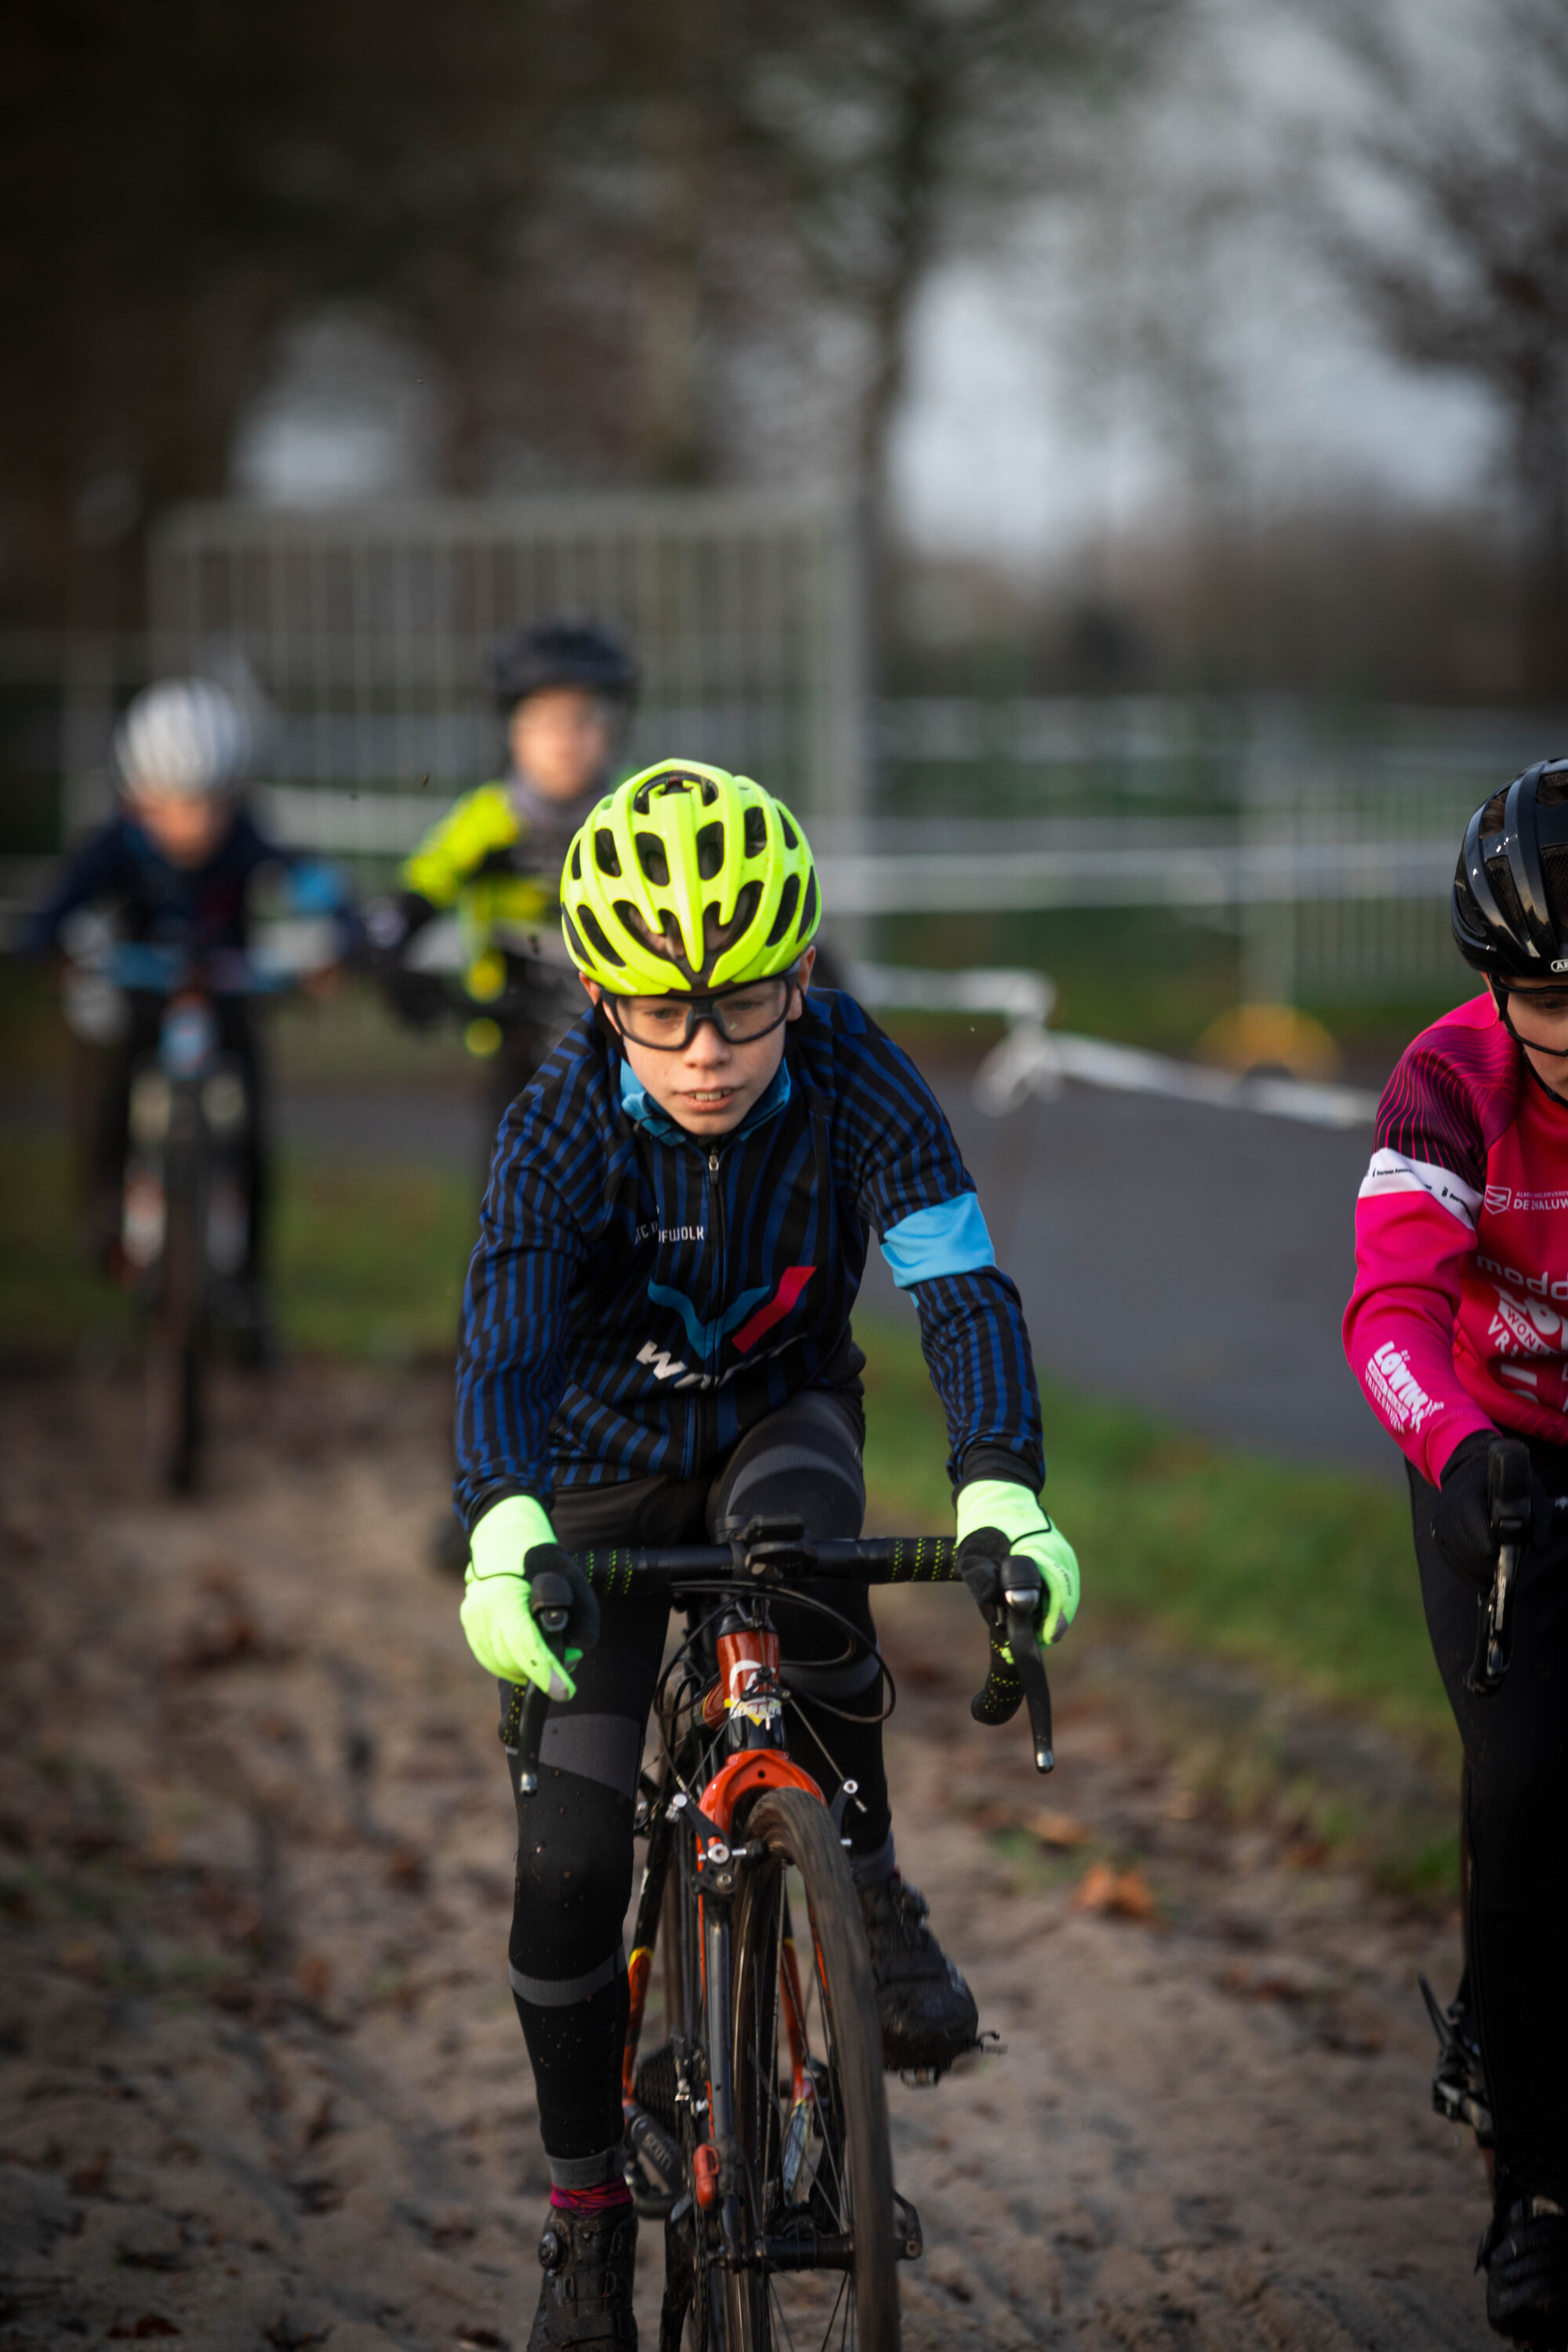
(1498, 1198)
(1394, 1388)
(1541, 1286)
(752, 1315)
(1522, 1327)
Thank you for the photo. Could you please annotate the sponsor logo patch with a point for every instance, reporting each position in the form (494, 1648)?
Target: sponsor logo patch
(1393, 1387)
(1519, 1328)
(1498, 1198)
(1539, 1286)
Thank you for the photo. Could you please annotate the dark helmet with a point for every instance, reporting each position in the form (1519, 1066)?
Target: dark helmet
(1510, 904)
(562, 653)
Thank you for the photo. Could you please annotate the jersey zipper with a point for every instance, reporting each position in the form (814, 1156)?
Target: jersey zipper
(716, 1226)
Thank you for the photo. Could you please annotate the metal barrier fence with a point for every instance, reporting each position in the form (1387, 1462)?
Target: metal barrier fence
(369, 628)
(1326, 848)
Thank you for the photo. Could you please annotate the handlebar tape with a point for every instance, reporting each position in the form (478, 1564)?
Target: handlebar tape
(872, 1559)
(1004, 1693)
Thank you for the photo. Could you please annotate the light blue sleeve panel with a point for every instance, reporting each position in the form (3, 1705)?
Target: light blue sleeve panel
(950, 1237)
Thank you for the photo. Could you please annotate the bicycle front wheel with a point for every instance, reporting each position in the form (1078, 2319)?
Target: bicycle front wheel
(176, 1341)
(810, 2109)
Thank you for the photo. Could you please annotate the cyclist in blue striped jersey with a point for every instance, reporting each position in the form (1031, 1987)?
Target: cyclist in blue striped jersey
(656, 1339)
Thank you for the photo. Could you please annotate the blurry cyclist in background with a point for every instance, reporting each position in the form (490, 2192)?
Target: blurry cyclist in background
(180, 866)
(494, 860)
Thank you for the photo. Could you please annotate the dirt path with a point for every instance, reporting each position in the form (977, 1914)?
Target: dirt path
(262, 2084)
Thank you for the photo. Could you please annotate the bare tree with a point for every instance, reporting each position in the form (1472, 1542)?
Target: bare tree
(903, 128)
(640, 238)
(1455, 237)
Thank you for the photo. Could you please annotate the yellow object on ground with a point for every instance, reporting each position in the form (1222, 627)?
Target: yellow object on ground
(1271, 1037)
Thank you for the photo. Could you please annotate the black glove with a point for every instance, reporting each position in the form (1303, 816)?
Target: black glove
(1461, 1520)
(581, 1629)
(979, 1560)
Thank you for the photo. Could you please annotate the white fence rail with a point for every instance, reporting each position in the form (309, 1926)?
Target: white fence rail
(1033, 1059)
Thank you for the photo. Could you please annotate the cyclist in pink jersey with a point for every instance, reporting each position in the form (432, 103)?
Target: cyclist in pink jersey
(1457, 1330)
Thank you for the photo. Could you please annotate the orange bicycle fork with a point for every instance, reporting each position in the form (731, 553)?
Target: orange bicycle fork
(700, 1840)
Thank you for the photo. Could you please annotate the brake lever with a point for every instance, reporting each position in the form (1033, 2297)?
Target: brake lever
(550, 1598)
(1030, 1668)
(1509, 1506)
(1023, 1675)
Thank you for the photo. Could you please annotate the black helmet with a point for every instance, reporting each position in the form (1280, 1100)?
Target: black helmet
(1510, 906)
(561, 653)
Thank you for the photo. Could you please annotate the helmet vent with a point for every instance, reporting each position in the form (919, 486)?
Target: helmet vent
(652, 859)
(710, 851)
(605, 855)
(791, 838)
(756, 832)
(576, 861)
(788, 900)
(808, 911)
(592, 931)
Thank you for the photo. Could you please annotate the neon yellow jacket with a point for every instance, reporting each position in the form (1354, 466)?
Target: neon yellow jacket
(461, 866)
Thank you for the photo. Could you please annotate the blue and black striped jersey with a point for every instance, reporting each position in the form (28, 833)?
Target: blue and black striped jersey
(639, 1296)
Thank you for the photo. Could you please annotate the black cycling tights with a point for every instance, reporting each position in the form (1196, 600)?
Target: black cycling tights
(575, 1845)
(1516, 1755)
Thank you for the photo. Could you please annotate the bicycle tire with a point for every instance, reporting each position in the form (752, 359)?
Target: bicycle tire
(850, 2184)
(176, 1341)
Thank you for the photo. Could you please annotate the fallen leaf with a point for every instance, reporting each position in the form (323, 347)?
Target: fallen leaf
(1059, 1830)
(1307, 1854)
(1115, 1895)
(405, 1871)
(91, 2180)
(1277, 1977)
(314, 1976)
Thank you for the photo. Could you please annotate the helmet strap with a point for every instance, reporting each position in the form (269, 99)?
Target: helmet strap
(1500, 998)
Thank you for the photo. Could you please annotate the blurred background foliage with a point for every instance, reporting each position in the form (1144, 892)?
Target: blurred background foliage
(534, 244)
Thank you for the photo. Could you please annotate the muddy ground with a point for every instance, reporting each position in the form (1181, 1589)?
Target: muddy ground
(262, 2082)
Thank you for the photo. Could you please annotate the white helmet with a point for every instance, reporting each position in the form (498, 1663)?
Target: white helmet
(185, 736)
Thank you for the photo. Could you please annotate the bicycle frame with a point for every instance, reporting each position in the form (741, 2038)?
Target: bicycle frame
(749, 1718)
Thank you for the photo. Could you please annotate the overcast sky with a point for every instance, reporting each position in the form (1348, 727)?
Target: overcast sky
(1024, 430)
(1034, 420)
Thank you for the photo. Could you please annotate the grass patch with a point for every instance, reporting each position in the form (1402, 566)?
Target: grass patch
(50, 1299)
(1306, 1574)
(369, 1260)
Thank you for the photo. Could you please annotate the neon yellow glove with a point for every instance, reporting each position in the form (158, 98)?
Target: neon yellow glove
(998, 1518)
(497, 1619)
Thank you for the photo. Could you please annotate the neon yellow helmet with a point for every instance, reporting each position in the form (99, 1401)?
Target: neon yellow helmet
(686, 878)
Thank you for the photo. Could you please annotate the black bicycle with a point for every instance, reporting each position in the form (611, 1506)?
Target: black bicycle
(186, 1194)
(759, 2130)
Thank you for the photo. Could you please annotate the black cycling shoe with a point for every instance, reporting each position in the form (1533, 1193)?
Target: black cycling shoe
(1525, 2256)
(586, 2295)
(926, 2010)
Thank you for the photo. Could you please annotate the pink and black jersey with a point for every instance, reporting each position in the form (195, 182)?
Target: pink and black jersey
(1458, 1320)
